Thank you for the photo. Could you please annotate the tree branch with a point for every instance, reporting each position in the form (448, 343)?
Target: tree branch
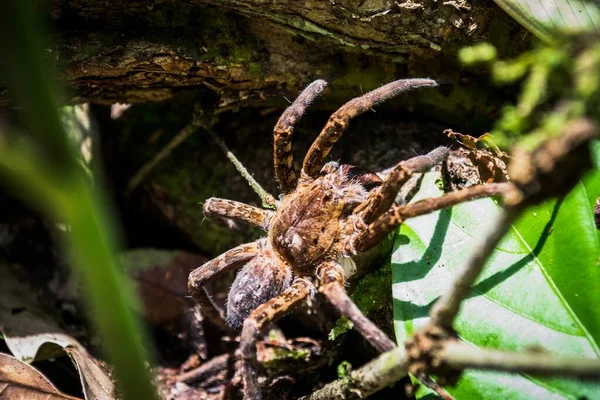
(392, 366)
(141, 173)
(383, 371)
(458, 355)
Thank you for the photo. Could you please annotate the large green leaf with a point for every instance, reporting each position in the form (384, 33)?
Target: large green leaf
(541, 286)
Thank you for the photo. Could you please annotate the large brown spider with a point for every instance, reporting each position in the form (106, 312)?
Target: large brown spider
(323, 221)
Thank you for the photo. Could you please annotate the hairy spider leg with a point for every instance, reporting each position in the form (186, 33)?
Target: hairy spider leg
(382, 198)
(282, 136)
(258, 321)
(238, 211)
(372, 234)
(339, 120)
(332, 287)
(210, 270)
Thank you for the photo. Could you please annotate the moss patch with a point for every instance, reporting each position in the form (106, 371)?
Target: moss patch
(342, 325)
(374, 291)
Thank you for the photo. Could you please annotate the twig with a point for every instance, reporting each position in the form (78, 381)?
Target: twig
(141, 174)
(267, 199)
(436, 387)
(391, 366)
(209, 369)
(445, 309)
(383, 371)
(458, 355)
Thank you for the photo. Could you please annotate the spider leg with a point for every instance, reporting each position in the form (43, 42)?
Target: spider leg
(332, 287)
(238, 211)
(214, 268)
(259, 320)
(377, 230)
(381, 199)
(339, 120)
(282, 141)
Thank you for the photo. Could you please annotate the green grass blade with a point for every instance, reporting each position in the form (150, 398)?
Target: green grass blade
(45, 173)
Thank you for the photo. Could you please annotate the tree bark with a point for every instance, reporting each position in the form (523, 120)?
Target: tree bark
(248, 51)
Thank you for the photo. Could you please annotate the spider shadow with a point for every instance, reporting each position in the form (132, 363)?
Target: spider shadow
(487, 284)
(411, 311)
(420, 268)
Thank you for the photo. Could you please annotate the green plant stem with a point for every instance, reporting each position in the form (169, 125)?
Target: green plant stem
(268, 201)
(90, 241)
(42, 168)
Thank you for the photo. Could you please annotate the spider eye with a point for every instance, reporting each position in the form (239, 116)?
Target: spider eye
(363, 176)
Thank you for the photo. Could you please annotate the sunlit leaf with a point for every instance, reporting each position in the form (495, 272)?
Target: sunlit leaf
(548, 19)
(539, 288)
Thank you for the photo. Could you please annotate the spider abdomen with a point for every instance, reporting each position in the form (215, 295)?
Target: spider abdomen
(261, 279)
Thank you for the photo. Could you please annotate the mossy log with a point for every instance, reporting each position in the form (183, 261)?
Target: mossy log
(249, 51)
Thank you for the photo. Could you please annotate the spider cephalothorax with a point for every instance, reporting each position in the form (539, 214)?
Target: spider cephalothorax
(310, 220)
(322, 221)
(305, 229)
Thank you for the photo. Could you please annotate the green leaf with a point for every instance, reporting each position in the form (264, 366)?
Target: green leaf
(549, 19)
(539, 288)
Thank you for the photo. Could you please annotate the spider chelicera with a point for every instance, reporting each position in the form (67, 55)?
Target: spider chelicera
(323, 221)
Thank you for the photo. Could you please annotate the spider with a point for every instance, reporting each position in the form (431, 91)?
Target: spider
(322, 223)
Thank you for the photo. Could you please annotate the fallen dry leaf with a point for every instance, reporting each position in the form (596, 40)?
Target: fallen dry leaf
(19, 380)
(30, 335)
(161, 279)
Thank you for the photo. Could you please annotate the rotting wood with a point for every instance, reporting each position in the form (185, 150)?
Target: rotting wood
(120, 51)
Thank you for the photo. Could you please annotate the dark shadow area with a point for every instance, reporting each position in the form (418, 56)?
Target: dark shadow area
(418, 269)
(499, 277)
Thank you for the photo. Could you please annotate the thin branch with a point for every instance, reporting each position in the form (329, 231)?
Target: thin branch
(141, 174)
(458, 355)
(268, 201)
(206, 373)
(391, 366)
(445, 309)
(383, 371)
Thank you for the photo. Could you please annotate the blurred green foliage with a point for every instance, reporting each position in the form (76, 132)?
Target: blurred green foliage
(560, 83)
(40, 164)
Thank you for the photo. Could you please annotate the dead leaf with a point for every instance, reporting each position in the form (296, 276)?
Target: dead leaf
(484, 154)
(19, 380)
(30, 335)
(161, 279)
